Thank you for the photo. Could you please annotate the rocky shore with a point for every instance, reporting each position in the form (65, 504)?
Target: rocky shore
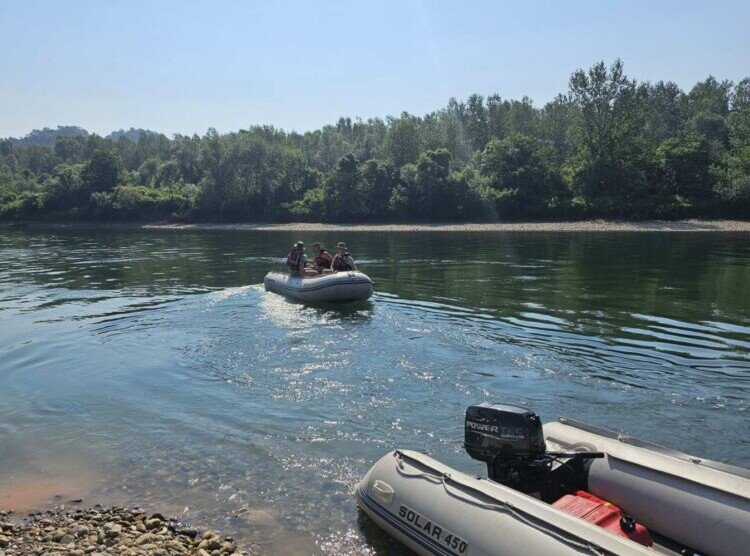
(100, 531)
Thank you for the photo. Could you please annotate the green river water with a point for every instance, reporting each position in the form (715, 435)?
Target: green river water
(151, 368)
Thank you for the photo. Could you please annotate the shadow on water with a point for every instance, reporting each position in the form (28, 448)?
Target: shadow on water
(378, 540)
(191, 390)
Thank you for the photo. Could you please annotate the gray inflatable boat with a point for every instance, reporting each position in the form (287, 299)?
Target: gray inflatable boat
(334, 287)
(572, 489)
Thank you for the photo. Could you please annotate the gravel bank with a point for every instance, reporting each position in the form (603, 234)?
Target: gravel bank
(577, 226)
(100, 531)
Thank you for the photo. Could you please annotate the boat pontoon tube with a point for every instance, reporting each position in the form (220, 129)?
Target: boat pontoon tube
(436, 510)
(339, 286)
(700, 503)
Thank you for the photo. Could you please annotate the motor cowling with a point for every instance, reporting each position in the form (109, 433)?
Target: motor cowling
(510, 440)
(497, 430)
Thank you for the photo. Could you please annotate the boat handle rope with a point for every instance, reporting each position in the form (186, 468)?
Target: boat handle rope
(504, 507)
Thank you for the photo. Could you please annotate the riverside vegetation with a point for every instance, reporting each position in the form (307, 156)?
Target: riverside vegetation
(609, 147)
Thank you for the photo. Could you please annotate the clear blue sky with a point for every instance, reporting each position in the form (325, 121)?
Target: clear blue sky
(182, 66)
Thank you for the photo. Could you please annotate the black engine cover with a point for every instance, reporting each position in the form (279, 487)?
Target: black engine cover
(495, 432)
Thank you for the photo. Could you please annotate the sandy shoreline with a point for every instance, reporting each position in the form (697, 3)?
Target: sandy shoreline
(693, 225)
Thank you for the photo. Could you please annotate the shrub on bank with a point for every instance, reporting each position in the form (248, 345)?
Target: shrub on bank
(140, 202)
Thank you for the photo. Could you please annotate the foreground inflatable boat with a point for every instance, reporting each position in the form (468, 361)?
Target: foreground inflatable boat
(340, 286)
(601, 494)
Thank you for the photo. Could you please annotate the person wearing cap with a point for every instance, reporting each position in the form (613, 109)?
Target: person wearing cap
(296, 260)
(322, 258)
(343, 261)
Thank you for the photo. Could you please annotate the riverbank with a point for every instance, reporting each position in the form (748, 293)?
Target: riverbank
(100, 531)
(692, 225)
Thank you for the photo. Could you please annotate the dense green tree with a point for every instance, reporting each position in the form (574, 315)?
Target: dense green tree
(606, 147)
(522, 117)
(477, 123)
(520, 177)
(558, 122)
(402, 142)
(69, 149)
(102, 172)
(432, 191)
(739, 117)
(148, 170)
(663, 106)
(186, 152)
(497, 116)
(377, 182)
(733, 183)
(327, 148)
(610, 163)
(707, 106)
(684, 169)
(67, 189)
(341, 188)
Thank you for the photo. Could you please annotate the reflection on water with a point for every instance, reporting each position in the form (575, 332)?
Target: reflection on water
(152, 368)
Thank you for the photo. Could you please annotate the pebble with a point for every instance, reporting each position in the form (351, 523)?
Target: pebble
(101, 531)
(259, 518)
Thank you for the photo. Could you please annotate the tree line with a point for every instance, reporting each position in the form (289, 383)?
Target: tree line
(608, 147)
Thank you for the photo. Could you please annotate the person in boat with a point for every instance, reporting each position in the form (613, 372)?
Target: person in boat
(296, 260)
(343, 260)
(322, 258)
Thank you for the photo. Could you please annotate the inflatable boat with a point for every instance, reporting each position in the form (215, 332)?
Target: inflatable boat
(572, 489)
(338, 286)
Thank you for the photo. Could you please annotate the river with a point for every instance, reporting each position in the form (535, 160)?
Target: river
(151, 368)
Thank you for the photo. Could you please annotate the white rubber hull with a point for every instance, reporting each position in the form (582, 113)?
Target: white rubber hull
(337, 287)
(427, 505)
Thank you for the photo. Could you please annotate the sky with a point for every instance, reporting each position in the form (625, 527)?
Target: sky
(184, 66)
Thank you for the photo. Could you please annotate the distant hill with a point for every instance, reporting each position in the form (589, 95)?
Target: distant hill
(46, 137)
(133, 134)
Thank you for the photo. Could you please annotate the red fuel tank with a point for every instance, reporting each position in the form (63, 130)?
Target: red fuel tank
(600, 512)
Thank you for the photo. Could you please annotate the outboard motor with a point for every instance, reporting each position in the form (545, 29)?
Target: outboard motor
(510, 440)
